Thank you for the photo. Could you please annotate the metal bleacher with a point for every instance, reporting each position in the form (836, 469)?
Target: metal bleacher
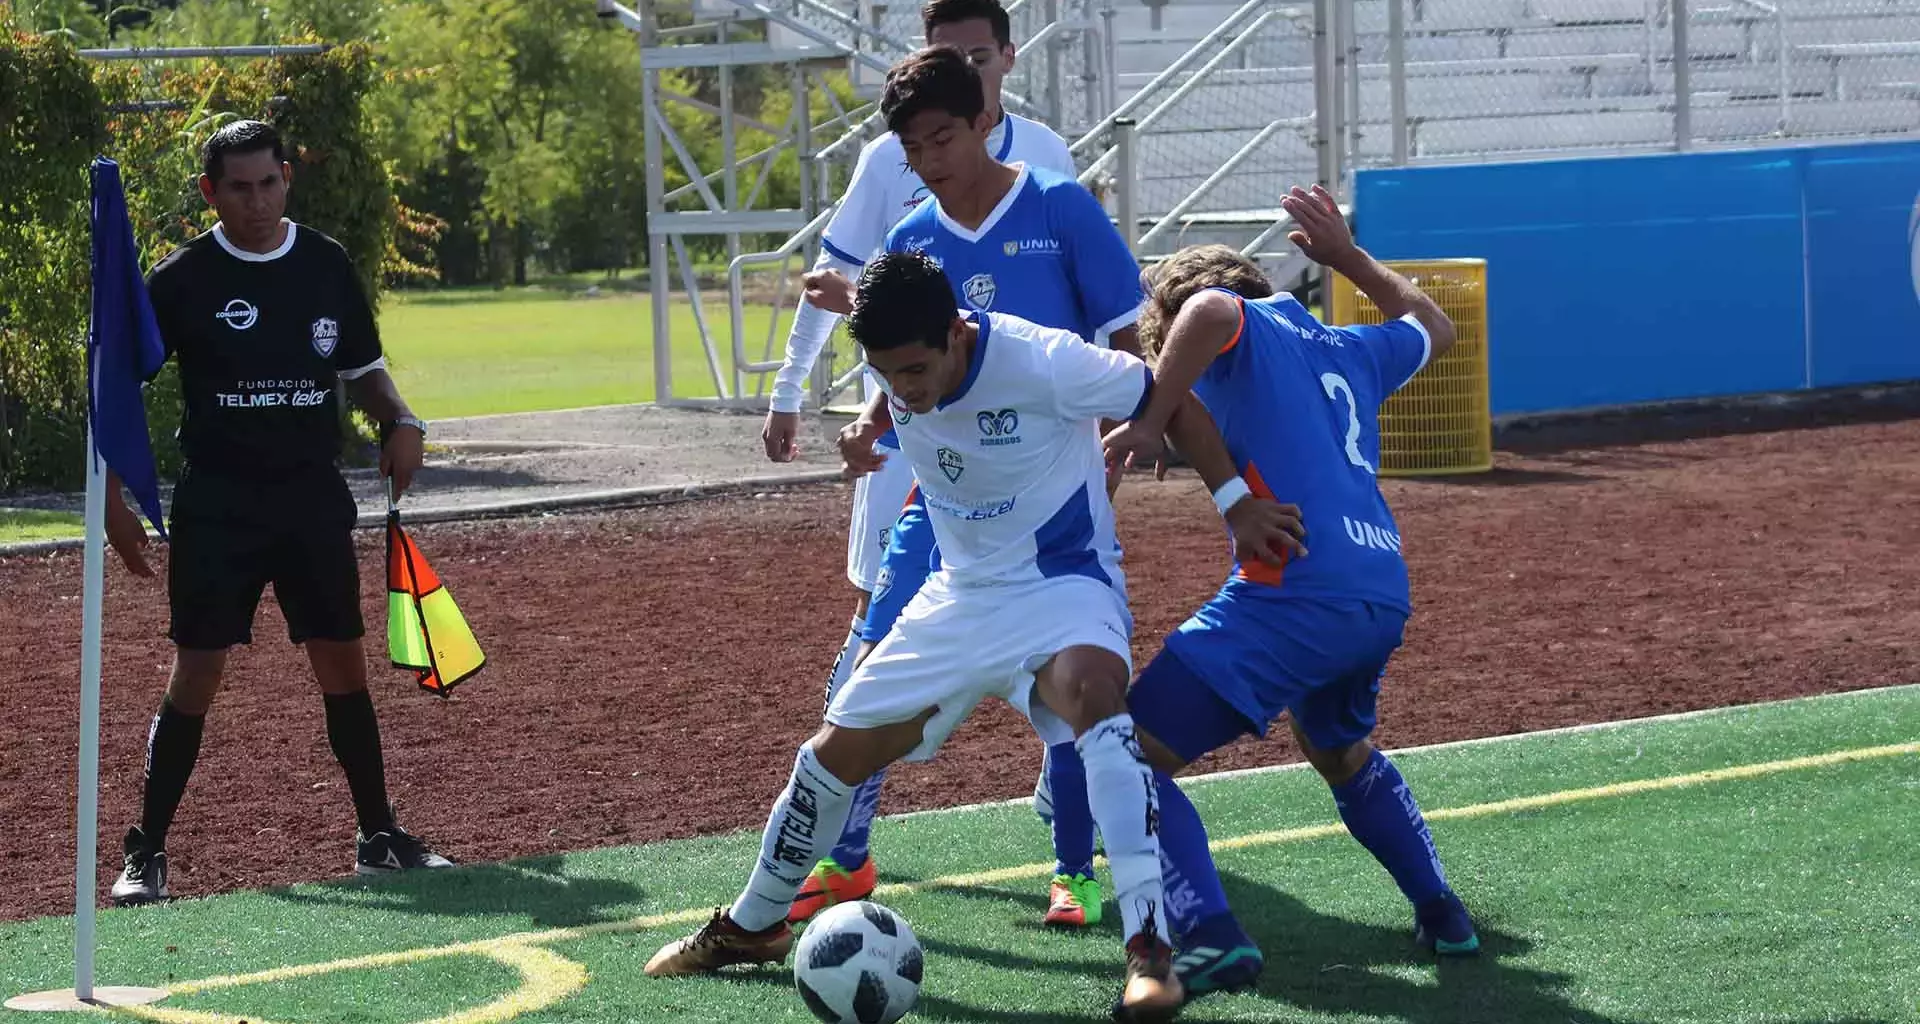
(1503, 79)
(1230, 101)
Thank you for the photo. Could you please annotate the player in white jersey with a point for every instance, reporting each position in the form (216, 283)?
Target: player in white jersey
(1028, 602)
(1025, 241)
(883, 190)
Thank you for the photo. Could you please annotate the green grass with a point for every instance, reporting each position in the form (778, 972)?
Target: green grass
(1781, 897)
(475, 352)
(24, 525)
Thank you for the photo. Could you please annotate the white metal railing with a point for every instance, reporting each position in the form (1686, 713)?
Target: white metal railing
(839, 149)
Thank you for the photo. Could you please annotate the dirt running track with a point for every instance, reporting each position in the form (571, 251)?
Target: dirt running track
(653, 670)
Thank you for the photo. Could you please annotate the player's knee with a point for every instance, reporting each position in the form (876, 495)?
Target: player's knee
(195, 680)
(1337, 765)
(340, 666)
(1158, 754)
(852, 755)
(1085, 686)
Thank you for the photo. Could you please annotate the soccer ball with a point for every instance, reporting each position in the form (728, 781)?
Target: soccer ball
(858, 963)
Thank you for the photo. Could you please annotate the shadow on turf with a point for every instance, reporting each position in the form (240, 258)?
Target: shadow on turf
(1332, 965)
(535, 887)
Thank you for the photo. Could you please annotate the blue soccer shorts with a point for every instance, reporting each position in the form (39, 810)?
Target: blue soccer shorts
(1238, 663)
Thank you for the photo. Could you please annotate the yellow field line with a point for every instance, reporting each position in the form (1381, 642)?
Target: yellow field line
(550, 977)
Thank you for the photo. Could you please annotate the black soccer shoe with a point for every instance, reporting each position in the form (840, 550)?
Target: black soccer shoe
(395, 849)
(144, 879)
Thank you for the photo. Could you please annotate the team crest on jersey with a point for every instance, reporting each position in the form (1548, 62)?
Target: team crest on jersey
(980, 290)
(239, 314)
(1011, 248)
(999, 428)
(951, 464)
(901, 414)
(326, 336)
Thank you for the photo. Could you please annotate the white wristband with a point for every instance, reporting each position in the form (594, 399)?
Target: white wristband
(1230, 494)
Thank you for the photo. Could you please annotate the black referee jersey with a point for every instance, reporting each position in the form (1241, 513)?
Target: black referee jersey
(263, 341)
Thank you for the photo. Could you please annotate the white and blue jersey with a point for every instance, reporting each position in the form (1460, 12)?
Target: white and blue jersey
(1047, 254)
(1015, 485)
(1010, 466)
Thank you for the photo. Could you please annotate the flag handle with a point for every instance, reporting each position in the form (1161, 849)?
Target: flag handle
(392, 505)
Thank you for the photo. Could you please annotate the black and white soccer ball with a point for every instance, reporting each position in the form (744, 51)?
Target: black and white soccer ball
(858, 963)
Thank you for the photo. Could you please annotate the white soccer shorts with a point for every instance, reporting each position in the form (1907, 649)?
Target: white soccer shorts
(956, 646)
(878, 498)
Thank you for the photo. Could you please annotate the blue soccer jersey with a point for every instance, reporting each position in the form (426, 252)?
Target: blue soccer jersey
(1047, 253)
(1298, 404)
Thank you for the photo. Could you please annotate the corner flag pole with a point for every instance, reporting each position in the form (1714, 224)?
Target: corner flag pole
(111, 356)
(83, 995)
(86, 848)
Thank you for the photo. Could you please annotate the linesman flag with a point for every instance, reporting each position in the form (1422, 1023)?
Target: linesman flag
(425, 630)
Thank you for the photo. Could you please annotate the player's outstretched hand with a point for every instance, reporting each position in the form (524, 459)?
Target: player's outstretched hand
(829, 290)
(1131, 444)
(857, 457)
(1266, 531)
(780, 436)
(128, 537)
(1322, 233)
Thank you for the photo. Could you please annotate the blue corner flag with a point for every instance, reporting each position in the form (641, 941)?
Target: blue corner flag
(123, 345)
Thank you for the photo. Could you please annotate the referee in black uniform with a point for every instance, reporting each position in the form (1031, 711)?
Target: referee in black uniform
(269, 324)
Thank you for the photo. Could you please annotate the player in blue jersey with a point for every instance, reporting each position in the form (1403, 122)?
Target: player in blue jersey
(1297, 402)
(1017, 239)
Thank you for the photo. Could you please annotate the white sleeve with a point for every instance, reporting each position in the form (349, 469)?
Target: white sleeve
(859, 227)
(812, 326)
(1060, 156)
(1090, 382)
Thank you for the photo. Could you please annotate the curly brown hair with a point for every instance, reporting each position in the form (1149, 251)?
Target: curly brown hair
(1171, 282)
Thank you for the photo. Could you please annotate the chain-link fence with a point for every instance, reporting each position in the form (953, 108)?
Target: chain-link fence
(1223, 98)
(1471, 80)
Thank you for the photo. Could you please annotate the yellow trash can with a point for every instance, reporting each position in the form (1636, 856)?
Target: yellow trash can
(1441, 422)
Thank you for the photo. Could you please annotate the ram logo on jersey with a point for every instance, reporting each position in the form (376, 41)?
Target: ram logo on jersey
(999, 428)
(980, 291)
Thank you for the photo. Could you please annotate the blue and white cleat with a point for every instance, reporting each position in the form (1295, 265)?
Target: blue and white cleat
(1445, 927)
(1218, 956)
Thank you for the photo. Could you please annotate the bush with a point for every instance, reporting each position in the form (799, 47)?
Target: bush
(57, 111)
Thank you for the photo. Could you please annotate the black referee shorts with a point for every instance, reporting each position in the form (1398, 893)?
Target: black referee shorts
(232, 535)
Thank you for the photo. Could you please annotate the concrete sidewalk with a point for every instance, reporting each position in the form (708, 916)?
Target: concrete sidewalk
(600, 457)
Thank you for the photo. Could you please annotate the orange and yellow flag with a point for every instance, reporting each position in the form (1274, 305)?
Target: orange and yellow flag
(425, 630)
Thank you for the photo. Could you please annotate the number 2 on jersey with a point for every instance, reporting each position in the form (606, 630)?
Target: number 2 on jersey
(1337, 387)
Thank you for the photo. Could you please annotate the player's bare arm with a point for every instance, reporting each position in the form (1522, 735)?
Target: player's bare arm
(403, 448)
(125, 532)
(1325, 238)
(1206, 324)
(1262, 529)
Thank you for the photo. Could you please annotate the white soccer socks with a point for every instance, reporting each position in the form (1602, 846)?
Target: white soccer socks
(806, 821)
(1126, 807)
